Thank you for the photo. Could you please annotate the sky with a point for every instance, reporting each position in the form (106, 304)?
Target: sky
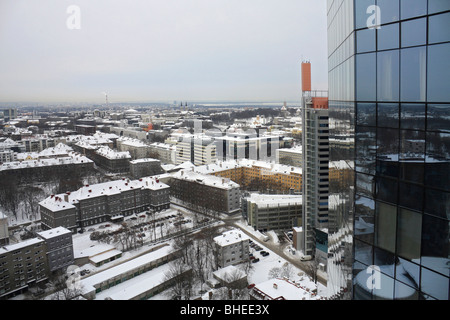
(160, 50)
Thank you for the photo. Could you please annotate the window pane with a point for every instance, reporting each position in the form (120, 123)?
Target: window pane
(363, 253)
(386, 189)
(412, 116)
(388, 37)
(413, 8)
(438, 73)
(412, 145)
(435, 233)
(366, 114)
(435, 6)
(386, 261)
(361, 14)
(365, 149)
(364, 218)
(387, 152)
(385, 290)
(414, 32)
(439, 28)
(385, 224)
(413, 74)
(437, 203)
(434, 284)
(365, 40)
(389, 10)
(412, 171)
(408, 272)
(438, 117)
(366, 77)
(365, 184)
(388, 76)
(388, 115)
(437, 162)
(409, 234)
(405, 292)
(411, 196)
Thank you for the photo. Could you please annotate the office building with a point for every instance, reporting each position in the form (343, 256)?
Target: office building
(389, 79)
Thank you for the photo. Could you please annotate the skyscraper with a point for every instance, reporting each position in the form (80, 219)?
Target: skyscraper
(389, 99)
(315, 162)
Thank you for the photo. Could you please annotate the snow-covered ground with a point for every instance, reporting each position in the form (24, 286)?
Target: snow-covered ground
(266, 268)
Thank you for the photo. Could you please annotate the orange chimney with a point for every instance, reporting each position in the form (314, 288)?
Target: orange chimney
(306, 76)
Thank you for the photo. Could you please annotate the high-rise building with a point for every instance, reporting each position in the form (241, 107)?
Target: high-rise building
(389, 80)
(315, 161)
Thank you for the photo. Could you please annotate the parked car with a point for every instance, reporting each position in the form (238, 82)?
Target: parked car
(255, 260)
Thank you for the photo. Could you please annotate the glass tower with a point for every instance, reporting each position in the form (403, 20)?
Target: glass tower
(389, 109)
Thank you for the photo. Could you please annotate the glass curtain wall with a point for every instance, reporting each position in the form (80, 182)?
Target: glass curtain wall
(399, 75)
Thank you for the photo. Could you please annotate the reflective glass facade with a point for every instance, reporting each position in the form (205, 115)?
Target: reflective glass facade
(389, 98)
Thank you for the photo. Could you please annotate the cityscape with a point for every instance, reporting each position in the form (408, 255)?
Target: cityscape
(197, 163)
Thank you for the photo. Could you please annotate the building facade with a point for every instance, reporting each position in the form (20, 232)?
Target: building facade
(389, 75)
(232, 247)
(315, 148)
(109, 201)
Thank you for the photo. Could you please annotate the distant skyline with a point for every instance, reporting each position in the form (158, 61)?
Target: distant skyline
(160, 50)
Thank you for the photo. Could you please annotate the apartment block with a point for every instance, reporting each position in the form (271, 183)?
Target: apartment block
(232, 247)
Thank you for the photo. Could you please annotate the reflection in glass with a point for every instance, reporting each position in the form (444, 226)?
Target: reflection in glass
(435, 244)
(385, 226)
(364, 218)
(438, 75)
(386, 260)
(366, 114)
(390, 10)
(365, 40)
(437, 161)
(388, 37)
(439, 28)
(408, 272)
(413, 74)
(438, 117)
(361, 15)
(388, 75)
(412, 116)
(437, 203)
(434, 285)
(365, 145)
(363, 253)
(413, 8)
(388, 115)
(386, 189)
(366, 72)
(435, 6)
(409, 234)
(414, 32)
(412, 146)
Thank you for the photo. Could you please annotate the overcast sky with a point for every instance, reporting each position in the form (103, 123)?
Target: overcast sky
(160, 50)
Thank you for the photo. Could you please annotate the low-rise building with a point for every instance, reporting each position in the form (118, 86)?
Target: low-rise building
(232, 247)
(214, 193)
(145, 167)
(109, 201)
(273, 212)
(21, 265)
(59, 248)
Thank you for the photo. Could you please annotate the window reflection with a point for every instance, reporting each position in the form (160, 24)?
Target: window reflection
(388, 115)
(413, 74)
(388, 37)
(366, 114)
(435, 285)
(409, 234)
(365, 149)
(366, 72)
(413, 8)
(438, 75)
(437, 161)
(364, 218)
(414, 32)
(435, 6)
(390, 10)
(439, 28)
(437, 203)
(388, 75)
(385, 226)
(438, 117)
(412, 116)
(435, 244)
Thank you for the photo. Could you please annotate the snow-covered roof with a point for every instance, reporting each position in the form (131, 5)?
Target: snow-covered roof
(233, 164)
(111, 154)
(209, 180)
(273, 200)
(283, 289)
(20, 245)
(230, 237)
(55, 232)
(66, 200)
